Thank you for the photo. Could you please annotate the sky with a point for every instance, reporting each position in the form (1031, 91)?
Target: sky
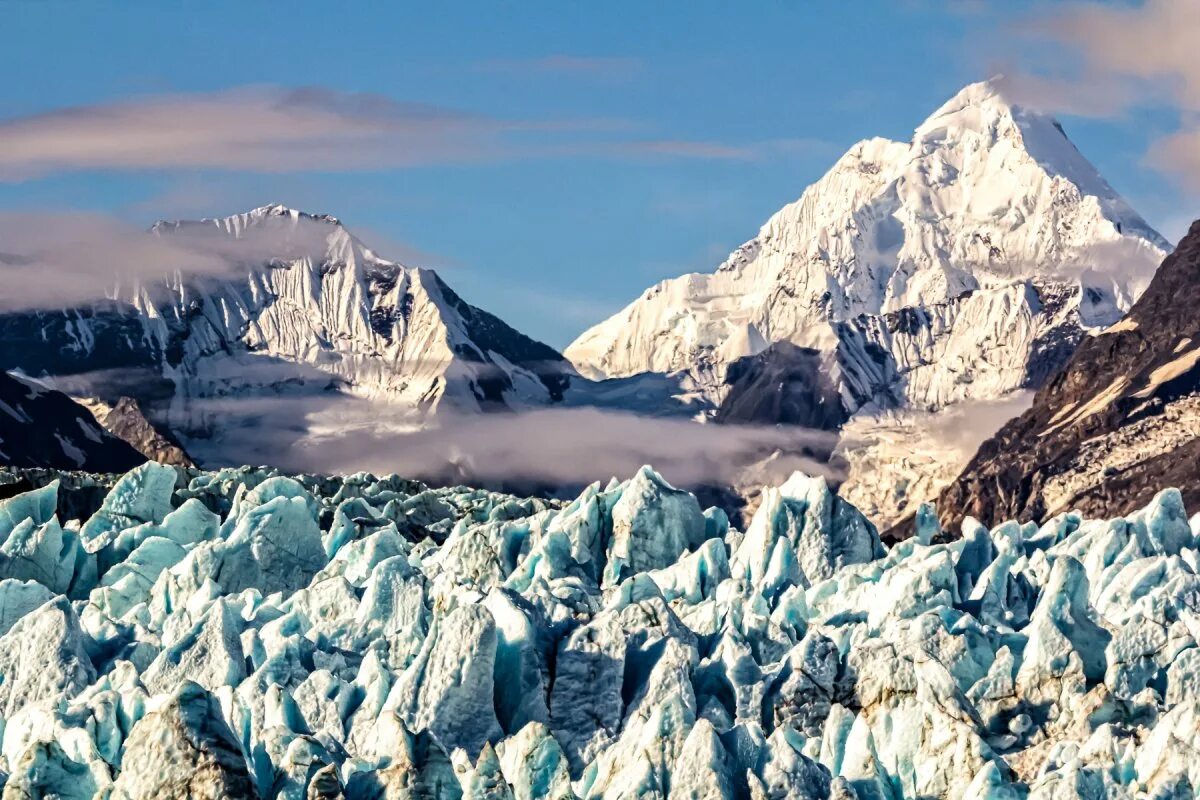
(552, 160)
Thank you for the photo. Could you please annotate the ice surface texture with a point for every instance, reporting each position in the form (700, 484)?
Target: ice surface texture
(244, 634)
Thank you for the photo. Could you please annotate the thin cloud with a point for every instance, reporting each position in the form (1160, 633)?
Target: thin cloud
(1121, 57)
(1154, 40)
(1179, 155)
(276, 130)
(261, 129)
(62, 260)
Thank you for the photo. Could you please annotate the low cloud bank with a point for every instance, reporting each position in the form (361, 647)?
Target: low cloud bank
(551, 447)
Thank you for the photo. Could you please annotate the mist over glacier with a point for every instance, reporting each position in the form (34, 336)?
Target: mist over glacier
(554, 447)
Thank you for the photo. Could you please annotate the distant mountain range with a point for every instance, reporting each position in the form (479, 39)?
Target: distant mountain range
(915, 278)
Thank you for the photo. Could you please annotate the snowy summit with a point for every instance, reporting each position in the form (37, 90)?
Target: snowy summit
(905, 260)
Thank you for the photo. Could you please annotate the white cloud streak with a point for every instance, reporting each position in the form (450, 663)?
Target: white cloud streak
(262, 129)
(276, 130)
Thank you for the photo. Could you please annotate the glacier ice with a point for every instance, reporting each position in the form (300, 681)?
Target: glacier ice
(245, 634)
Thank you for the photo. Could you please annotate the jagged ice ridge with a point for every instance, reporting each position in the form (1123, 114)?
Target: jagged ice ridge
(247, 634)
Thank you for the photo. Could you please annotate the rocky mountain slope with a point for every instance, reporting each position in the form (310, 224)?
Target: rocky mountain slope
(40, 427)
(246, 634)
(127, 422)
(1122, 418)
(326, 315)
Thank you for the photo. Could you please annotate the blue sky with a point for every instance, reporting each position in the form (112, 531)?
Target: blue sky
(615, 144)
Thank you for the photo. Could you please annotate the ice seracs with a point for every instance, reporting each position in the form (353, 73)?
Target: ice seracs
(247, 634)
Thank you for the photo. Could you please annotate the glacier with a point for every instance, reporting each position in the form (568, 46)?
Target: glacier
(248, 634)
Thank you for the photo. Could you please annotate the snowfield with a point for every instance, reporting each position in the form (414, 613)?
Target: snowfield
(250, 635)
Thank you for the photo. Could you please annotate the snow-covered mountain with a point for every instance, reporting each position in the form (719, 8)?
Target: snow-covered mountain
(958, 268)
(318, 315)
(958, 265)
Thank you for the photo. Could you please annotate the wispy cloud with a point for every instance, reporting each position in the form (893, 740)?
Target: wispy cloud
(61, 260)
(1081, 96)
(277, 130)
(1121, 57)
(261, 129)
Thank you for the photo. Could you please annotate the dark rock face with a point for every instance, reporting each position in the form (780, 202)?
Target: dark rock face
(784, 384)
(44, 428)
(127, 422)
(1120, 422)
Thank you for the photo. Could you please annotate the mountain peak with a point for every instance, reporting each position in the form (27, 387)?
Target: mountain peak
(237, 223)
(280, 210)
(981, 94)
(986, 195)
(982, 108)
